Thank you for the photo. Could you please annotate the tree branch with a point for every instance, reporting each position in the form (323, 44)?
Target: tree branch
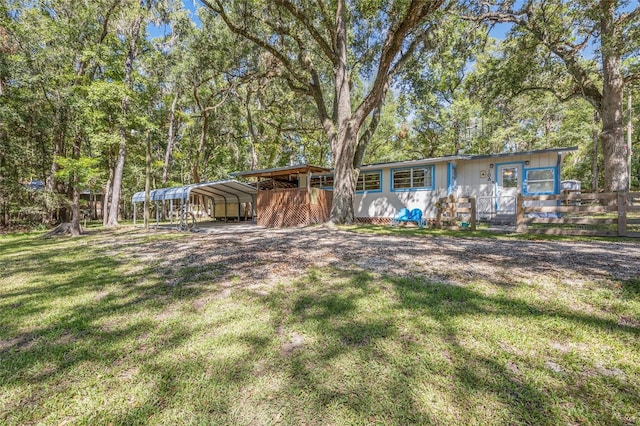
(365, 137)
(301, 17)
(326, 20)
(219, 9)
(629, 17)
(395, 37)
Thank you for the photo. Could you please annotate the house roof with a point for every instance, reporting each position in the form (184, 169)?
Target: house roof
(537, 151)
(221, 191)
(284, 171)
(308, 168)
(409, 163)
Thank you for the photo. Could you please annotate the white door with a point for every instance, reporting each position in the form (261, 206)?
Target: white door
(508, 186)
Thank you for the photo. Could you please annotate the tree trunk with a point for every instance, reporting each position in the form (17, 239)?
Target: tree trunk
(4, 192)
(147, 184)
(629, 136)
(116, 184)
(345, 177)
(51, 183)
(75, 193)
(203, 139)
(106, 200)
(616, 173)
(116, 189)
(171, 138)
(253, 139)
(594, 154)
(343, 142)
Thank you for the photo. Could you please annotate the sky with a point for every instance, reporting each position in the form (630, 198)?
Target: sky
(498, 31)
(155, 31)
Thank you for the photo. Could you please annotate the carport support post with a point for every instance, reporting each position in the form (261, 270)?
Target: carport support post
(171, 211)
(134, 213)
(157, 214)
(257, 195)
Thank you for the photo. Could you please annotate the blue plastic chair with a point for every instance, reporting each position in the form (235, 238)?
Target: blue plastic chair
(416, 216)
(402, 216)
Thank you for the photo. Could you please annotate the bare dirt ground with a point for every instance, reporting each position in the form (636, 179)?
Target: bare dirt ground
(262, 257)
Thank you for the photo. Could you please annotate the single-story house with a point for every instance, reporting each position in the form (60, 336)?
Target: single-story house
(495, 180)
(302, 194)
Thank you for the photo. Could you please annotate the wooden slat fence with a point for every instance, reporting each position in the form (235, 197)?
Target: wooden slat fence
(451, 210)
(282, 208)
(590, 214)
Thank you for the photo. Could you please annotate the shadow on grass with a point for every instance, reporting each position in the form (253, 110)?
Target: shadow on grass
(434, 375)
(631, 288)
(74, 306)
(337, 345)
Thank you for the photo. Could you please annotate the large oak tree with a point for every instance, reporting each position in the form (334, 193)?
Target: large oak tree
(551, 50)
(323, 49)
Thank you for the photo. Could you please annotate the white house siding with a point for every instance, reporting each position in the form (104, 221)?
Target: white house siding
(387, 203)
(469, 171)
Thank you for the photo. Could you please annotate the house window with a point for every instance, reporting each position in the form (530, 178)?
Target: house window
(325, 181)
(510, 177)
(413, 178)
(541, 181)
(369, 181)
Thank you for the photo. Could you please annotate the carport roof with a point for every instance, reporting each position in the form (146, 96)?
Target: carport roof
(284, 171)
(221, 191)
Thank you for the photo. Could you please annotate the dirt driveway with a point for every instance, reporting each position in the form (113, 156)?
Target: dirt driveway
(261, 257)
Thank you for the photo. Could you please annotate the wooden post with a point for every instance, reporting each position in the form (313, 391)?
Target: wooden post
(622, 213)
(520, 225)
(472, 202)
(452, 206)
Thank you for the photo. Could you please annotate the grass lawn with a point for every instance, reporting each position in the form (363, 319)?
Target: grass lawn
(92, 335)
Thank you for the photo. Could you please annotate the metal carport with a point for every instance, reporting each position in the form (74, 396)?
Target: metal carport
(218, 192)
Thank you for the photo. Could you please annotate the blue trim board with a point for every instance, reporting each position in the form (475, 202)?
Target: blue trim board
(452, 182)
(421, 188)
(558, 173)
(556, 181)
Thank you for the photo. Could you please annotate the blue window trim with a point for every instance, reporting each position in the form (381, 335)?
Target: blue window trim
(451, 185)
(420, 188)
(556, 181)
(370, 191)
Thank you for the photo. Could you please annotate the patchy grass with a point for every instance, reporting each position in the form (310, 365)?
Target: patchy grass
(91, 335)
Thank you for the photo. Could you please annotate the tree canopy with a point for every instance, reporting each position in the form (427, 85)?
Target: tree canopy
(87, 89)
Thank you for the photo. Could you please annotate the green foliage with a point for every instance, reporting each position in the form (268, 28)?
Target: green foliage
(83, 169)
(63, 82)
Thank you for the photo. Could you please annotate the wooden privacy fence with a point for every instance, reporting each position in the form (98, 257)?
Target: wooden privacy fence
(591, 214)
(451, 210)
(282, 208)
